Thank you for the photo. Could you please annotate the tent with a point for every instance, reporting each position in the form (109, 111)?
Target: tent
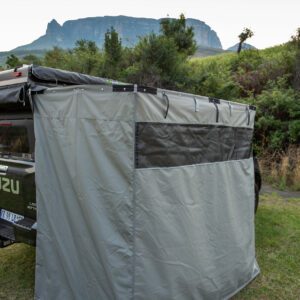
(142, 193)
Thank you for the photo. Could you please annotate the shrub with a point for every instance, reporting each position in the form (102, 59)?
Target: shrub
(278, 115)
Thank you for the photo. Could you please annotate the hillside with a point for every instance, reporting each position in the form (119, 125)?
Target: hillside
(20, 54)
(208, 51)
(129, 29)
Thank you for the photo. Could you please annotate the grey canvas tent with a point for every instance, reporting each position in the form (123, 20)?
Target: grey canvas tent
(142, 193)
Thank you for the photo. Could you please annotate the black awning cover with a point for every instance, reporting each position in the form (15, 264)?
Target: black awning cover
(39, 78)
(12, 94)
(52, 76)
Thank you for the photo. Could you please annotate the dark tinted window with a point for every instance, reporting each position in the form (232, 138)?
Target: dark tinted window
(13, 139)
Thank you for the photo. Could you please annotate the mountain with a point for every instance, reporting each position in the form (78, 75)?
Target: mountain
(245, 46)
(129, 29)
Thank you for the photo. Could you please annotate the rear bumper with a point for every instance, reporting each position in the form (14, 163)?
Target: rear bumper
(18, 232)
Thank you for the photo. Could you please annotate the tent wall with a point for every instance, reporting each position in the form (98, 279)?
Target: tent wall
(84, 173)
(198, 243)
(124, 212)
(190, 109)
(194, 231)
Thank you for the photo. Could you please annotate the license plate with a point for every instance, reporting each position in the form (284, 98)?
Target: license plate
(9, 216)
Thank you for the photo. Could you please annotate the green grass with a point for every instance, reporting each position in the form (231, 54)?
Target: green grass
(278, 255)
(277, 249)
(17, 272)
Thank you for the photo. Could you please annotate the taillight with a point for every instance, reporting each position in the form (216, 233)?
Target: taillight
(6, 124)
(18, 74)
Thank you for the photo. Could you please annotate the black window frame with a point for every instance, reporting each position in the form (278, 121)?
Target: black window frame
(27, 123)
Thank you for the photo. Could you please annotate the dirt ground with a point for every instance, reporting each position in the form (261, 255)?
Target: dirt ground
(268, 189)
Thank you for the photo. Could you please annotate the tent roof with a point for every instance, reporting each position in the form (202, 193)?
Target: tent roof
(15, 83)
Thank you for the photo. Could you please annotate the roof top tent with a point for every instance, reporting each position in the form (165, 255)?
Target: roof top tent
(142, 193)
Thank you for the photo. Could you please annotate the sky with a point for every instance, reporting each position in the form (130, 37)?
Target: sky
(272, 21)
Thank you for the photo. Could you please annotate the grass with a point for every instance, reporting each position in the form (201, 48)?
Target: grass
(17, 272)
(278, 255)
(277, 249)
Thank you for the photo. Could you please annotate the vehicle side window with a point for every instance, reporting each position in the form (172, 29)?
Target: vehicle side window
(13, 139)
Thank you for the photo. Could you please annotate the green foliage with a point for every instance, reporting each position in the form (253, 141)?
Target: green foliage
(56, 58)
(156, 62)
(294, 131)
(85, 57)
(278, 115)
(295, 41)
(243, 36)
(260, 77)
(252, 70)
(13, 61)
(160, 60)
(212, 78)
(31, 60)
(182, 35)
(112, 54)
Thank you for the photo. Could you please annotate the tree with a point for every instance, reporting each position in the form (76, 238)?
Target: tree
(112, 54)
(157, 62)
(13, 61)
(182, 35)
(160, 60)
(31, 59)
(295, 40)
(56, 58)
(85, 57)
(244, 35)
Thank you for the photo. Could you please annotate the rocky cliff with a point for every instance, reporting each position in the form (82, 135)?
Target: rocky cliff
(129, 29)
